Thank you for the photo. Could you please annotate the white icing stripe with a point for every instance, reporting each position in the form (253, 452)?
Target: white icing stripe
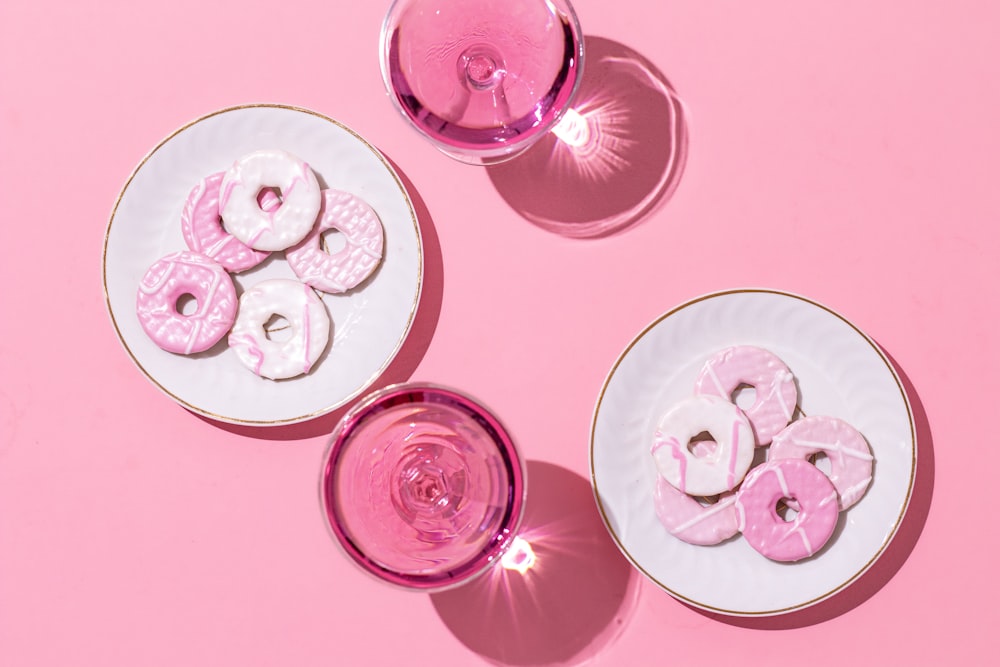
(152, 289)
(829, 499)
(852, 491)
(715, 381)
(835, 447)
(711, 511)
(781, 482)
(203, 307)
(777, 395)
(805, 540)
(193, 336)
(219, 245)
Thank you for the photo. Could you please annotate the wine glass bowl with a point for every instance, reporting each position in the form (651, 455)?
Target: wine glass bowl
(481, 79)
(422, 486)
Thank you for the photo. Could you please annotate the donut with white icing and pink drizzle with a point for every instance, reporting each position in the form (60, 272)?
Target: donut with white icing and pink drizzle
(850, 457)
(201, 226)
(801, 485)
(163, 287)
(774, 385)
(240, 206)
(346, 268)
(288, 355)
(715, 472)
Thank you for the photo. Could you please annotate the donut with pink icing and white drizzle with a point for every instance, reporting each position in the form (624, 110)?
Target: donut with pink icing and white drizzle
(240, 206)
(850, 457)
(774, 384)
(712, 473)
(800, 484)
(163, 287)
(345, 269)
(201, 226)
(687, 519)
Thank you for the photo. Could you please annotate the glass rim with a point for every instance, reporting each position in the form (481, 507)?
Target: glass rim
(466, 570)
(503, 151)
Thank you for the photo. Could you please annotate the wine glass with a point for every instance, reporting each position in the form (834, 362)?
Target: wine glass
(422, 486)
(482, 79)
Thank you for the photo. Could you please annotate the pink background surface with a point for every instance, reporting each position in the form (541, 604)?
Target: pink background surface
(844, 151)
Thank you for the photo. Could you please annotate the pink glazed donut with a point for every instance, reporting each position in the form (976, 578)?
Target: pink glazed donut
(240, 206)
(766, 373)
(811, 492)
(170, 279)
(847, 450)
(347, 268)
(687, 519)
(202, 228)
(710, 473)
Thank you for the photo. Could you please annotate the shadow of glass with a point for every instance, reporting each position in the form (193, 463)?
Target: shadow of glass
(894, 556)
(574, 596)
(616, 156)
(414, 348)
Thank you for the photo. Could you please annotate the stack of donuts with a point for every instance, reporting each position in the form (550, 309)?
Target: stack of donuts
(268, 201)
(726, 471)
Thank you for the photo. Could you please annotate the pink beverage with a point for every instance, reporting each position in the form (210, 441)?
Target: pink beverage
(422, 486)
(482, 79)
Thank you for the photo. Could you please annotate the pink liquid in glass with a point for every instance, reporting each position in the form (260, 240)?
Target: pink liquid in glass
(482, 78)
(422, 486)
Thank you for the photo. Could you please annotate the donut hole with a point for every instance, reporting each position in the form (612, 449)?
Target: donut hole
(744, 396)
(332, 241)
(186, 305)
(702, 445)
(277, 329)
(707, 501)
(822, 461)
(787, 509)
(269, 199)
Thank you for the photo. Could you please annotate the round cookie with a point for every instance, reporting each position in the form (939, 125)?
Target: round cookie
(164, 287)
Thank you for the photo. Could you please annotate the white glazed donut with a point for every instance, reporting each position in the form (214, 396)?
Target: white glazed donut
(714, 472)
(242, 214)
(847, 450)
(173, 277)
(774, 384)
(347, 268)
(306, 316)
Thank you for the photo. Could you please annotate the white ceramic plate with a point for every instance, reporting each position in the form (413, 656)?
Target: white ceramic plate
(370, 323)
(840, 371)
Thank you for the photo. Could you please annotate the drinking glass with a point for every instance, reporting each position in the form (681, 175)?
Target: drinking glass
(482, 79)
(422, 486)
